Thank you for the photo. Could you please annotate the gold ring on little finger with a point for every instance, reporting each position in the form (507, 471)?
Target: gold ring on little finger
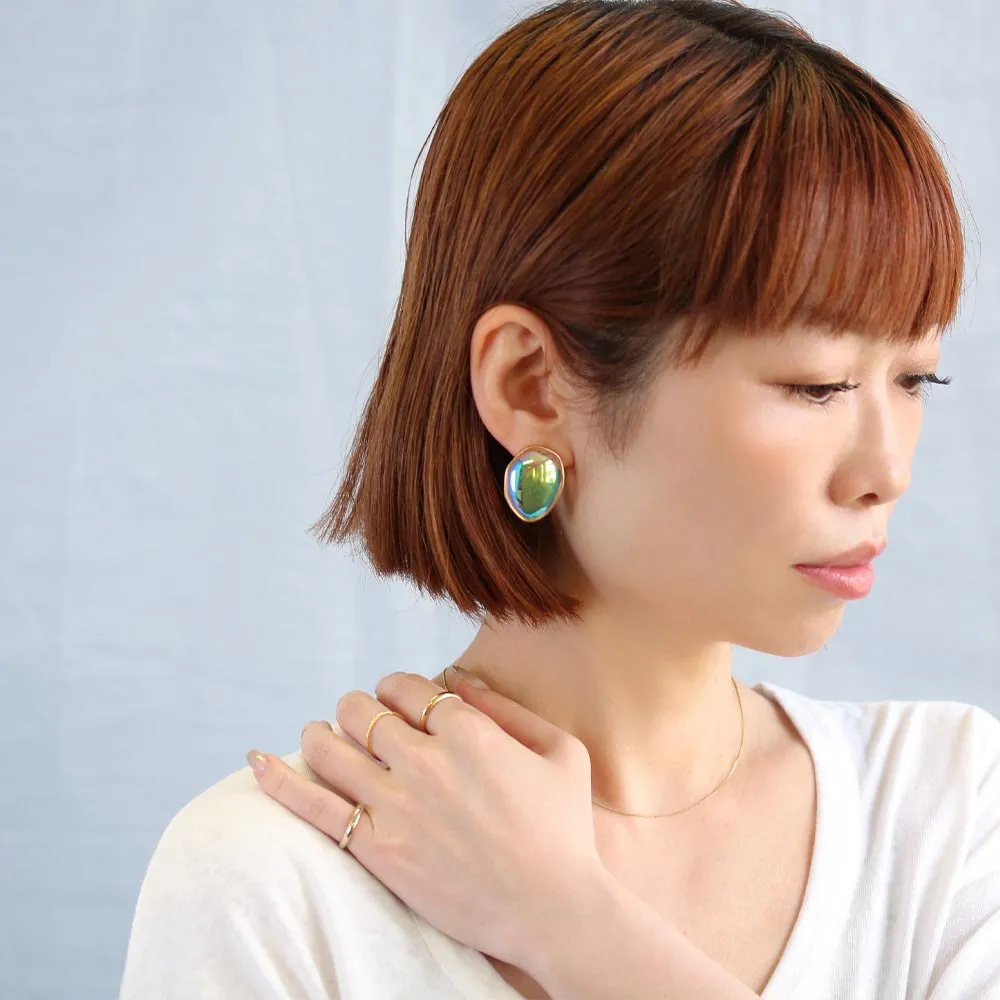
(352, 825)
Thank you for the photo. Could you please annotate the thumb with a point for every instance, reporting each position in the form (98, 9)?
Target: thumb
(525, 726)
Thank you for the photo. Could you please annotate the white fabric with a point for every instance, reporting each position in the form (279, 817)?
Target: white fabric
(244, 899)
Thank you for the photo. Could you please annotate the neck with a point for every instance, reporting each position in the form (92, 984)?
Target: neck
(660, 718)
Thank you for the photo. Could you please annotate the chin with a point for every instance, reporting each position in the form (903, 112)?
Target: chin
(795, 635)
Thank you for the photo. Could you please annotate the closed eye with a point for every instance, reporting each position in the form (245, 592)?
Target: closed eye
(923, 380)
(918, 386)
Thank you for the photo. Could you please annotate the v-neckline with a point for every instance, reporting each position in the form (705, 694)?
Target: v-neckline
(837, 851)
(838, 847)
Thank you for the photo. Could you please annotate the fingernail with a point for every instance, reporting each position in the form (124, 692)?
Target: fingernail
(257, 761)
(317, 722)
(470, 678)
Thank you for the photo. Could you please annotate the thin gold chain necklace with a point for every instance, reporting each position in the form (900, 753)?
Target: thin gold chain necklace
(743, 733)
(739, 754)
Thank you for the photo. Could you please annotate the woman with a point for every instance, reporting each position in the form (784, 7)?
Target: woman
(675, 289)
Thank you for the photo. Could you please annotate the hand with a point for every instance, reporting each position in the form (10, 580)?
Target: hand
(483, 825)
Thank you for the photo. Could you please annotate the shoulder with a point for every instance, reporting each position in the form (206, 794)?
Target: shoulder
(235, 836)
(919, 740)
(242, 897)
(896, 748)
(235, 822)
(927, 777)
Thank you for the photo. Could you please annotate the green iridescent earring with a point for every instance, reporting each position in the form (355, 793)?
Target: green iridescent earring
(533, 482)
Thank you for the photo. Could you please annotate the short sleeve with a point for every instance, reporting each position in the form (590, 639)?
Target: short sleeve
(224, 913)
(968, 962)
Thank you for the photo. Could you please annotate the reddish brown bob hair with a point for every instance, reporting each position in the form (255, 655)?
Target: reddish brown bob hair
(621, 169)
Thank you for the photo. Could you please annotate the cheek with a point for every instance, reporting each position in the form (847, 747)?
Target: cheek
(732, 483)
(775, 455)
(700, 508)
(667, 523)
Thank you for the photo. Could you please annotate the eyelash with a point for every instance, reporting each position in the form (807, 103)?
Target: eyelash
(923, 380)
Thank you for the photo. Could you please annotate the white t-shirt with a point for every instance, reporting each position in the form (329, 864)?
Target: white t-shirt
(244, 900)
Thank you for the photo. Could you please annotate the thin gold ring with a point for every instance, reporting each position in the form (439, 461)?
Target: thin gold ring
(371, 725)
(440, 696)
(355, 818)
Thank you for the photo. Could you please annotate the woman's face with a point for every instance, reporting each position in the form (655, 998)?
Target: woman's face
(731, 480)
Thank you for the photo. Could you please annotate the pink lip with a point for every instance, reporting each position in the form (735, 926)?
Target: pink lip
(849, 582)
(857, 556)
(849, 575)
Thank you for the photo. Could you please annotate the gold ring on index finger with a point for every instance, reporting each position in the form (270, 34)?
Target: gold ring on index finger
(440, 696)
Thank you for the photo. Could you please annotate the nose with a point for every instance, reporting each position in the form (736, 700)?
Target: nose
(878, 465)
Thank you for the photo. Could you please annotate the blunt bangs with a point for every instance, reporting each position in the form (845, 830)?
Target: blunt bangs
(830, 209)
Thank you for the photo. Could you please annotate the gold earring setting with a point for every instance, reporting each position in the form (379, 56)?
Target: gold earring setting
(533, 482)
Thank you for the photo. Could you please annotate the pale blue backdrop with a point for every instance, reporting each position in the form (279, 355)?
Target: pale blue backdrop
(201, 232)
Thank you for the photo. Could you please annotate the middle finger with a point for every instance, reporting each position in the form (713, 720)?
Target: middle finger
(391, 737)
